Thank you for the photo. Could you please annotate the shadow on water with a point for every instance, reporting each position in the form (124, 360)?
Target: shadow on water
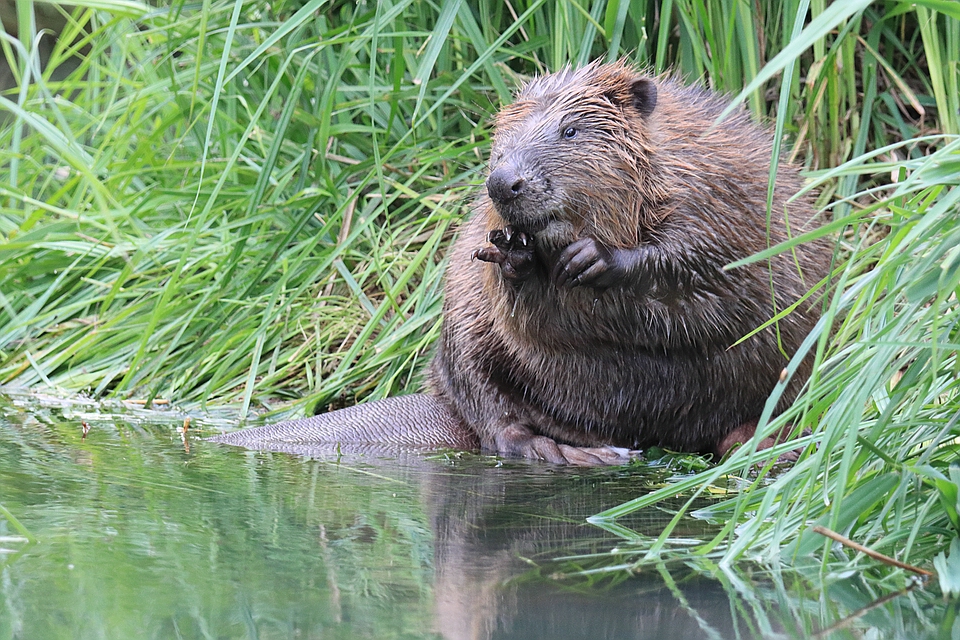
(143, 535)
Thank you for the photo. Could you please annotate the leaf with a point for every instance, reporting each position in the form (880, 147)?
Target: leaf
(117, 7)
(861, 500)
(949, 7)
(949, 490)
(948, 570)
(437, 39)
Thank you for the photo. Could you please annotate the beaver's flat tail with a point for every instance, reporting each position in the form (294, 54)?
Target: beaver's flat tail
(413, 422)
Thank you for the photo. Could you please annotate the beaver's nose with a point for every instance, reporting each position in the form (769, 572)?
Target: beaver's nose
(505, 184)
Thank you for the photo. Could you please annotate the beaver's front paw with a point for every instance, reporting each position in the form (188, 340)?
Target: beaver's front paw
(587, 263)
(512, 250)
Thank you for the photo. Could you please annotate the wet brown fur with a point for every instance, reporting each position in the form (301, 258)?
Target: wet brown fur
(651, 360)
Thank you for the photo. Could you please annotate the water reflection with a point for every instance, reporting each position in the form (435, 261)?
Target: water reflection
(140, 536)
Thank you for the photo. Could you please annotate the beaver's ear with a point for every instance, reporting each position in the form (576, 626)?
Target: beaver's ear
(644, 95)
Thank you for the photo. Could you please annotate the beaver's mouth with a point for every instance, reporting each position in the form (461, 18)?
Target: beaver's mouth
(522, 220)
(535, 226)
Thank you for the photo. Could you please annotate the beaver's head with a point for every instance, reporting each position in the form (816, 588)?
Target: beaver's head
(571, 156)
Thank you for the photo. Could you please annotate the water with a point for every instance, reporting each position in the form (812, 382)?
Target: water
(144, 534)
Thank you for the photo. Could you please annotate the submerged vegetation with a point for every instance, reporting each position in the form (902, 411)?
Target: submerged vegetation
(248, 203)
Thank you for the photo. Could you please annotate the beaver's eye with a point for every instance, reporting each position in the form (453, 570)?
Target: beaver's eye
(570, 132)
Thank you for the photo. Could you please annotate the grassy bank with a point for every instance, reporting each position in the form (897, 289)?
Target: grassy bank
(249, 204)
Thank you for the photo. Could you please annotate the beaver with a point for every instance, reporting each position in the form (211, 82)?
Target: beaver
(587, 309)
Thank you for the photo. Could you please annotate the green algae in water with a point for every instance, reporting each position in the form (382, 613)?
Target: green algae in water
(142, 532)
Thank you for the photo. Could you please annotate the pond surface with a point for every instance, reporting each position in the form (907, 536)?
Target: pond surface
(141, 533)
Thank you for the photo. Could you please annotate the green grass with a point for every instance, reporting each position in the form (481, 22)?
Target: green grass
(249, 204)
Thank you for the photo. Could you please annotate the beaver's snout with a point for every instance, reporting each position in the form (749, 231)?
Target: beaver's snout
(505, 184)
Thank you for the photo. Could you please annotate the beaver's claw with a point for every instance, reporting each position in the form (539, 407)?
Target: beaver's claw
(512, 250)
(587, 263)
